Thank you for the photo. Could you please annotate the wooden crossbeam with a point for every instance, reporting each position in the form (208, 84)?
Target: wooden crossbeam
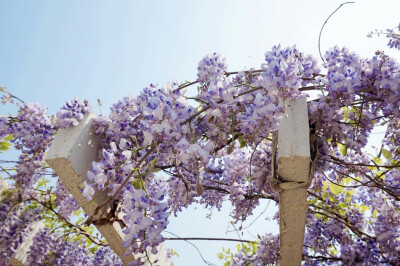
(71, 155)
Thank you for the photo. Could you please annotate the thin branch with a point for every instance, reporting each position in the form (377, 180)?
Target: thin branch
(7, 161)
(322, 258)
(3, 89)
(236, 72)
(340, 185)
(198, 250)
(253, 220)
(71, 225)
(208, 239)
(339, 218)
(339, 161)
(5, 170)
(186, 85)
(215, 181)
(320, 33)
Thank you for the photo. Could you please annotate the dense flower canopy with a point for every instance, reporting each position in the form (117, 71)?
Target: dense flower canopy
(216, 147)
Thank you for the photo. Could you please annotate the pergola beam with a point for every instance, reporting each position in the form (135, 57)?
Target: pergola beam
(71, 155)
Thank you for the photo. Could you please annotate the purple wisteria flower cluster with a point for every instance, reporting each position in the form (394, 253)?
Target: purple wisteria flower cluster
(72, 112)
(64, 200)
(222, 152)
(32, 131)
(17, 222)
(265, 253)
(15, 226)
(286, 70)
(145, 219)
(51, 248)
(211, 68)
(394, 37)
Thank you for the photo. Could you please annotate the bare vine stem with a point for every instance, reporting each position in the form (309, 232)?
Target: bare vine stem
(71, 225)
(209, 239)
(198, 250)
(322, 28)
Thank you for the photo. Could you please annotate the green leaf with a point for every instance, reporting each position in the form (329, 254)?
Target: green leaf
(333, 198)
(9, 137)
(136, 183)
(239, 247)
(342, 149)
(377, 160)
(325, 186)
(313, 201)
(5, 146)
(346, 180)
(335, 189)
(174, 253)
(5, 192)
(346, 112)
(380, 175)
(387, 154)
(242, 142)
(42, 182)
(364, 208)
(325, 195)
(93, 249)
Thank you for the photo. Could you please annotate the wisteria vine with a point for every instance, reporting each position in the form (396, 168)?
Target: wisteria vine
(216, 147)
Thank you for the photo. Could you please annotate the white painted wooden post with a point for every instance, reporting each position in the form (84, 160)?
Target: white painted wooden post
(71, 155)
(21, 254)
(293, 173)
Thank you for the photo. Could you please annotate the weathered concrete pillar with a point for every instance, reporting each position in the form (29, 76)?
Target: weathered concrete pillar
(71, 155)
(293, 173)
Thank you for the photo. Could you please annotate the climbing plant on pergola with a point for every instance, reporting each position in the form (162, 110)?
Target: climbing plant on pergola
(226, 143)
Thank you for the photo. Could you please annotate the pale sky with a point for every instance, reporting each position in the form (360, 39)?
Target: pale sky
(52, 51)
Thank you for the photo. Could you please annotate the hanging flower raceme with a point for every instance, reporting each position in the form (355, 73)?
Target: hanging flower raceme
(146, 216)
(394, 37)
(284, 71)
(15, 226)
(115, 167)
(32, 131)
(264, 253)
(64, 200)
(211, 68)
(72, 113)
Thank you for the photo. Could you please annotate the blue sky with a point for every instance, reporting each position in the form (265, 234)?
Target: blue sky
(52, 51)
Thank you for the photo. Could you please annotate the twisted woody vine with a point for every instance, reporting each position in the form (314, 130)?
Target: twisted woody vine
(163, 151)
